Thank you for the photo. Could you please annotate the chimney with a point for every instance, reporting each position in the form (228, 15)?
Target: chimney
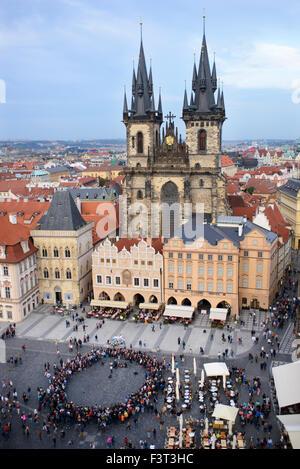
(78, 204)
(13, 218)
(240, 229)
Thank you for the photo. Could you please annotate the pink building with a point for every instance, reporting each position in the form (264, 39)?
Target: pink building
(128, 270)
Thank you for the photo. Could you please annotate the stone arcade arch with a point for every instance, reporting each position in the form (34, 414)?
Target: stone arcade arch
(203, 304)
(172, 301)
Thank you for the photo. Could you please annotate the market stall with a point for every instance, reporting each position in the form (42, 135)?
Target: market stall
(179, 313)
(218, 316)
(148, 312)
(109, 309)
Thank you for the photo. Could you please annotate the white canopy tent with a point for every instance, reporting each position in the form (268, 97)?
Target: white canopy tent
(219, 314)
(216, 369)
(153, 306)
(287, 383)
(225, 412)
(110, 304)
(179, 311)
(292, 425)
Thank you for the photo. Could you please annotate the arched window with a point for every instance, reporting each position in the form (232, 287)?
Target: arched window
(197, 165)
(202, 140)
(44, 252)
(67, 252)
(55, 252)
(138, 165)
(139, 194)
(46, 273)
(68, 274)
(57, 273)
(140, 142)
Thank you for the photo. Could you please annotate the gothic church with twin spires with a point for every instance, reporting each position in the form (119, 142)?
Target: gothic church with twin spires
(161, 168)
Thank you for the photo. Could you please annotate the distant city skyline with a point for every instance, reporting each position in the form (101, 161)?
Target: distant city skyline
(64, 64)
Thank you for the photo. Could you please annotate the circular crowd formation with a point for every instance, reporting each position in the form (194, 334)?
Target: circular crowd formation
(61, 410)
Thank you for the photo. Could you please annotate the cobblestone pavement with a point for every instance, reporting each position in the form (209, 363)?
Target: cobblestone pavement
(44, 334)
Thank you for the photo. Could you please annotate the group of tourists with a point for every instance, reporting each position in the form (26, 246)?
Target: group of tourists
(61, 410)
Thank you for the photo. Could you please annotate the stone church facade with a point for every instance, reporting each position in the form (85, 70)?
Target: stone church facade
(161, 168)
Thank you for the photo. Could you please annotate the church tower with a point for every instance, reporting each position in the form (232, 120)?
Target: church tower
(164, 170)
(142, 120)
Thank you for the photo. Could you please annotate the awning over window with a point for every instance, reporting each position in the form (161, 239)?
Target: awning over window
(178, 311)
(110, 304)
(218, 313)
(154, 306)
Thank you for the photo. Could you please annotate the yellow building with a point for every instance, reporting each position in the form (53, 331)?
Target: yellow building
(288, 197)
(202, 273)
(57, 172)
(104, 171)
(231, 265)
(64, 260)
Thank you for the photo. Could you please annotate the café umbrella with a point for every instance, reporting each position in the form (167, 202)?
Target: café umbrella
(173, 365)
(180, 430)
(195, 367)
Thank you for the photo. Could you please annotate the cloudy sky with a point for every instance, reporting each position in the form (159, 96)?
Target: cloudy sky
(64, 63)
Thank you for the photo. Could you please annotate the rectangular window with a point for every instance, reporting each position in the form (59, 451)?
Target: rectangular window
(189, 269)
(220, 287)
(180, 284)
(209, 286)
(229, 271)
(170, 255)
(171, 285)
(246, 253)
(7, 292)
(245, 267)
(180, 255)
(155, 282)
(220, 271)
(5, 270)
(259, 268)
(229, 287)
(189, 256)
(210, 257)
(171, 268)
(188, 286)
(108, 280)
(200, 269)
(220, 258)
(99, 278)
(230, 258)
(180, 268)
(260, 254)
(200, 286)
(258, 284)
(200, 257)
(146, 282)
(209, 270)
(118, 280)
(136, 282)
(245, 283)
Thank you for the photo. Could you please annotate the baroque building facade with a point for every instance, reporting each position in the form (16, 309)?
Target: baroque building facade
(162, 169)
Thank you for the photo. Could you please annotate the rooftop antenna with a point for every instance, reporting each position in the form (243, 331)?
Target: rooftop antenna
(203, 20)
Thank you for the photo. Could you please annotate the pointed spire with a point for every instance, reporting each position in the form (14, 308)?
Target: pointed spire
(192, 100)
(185, 101)
(125, 107)
(133, 80)
(159, 102)
(194, 81)
(150, 81)
(214, 76)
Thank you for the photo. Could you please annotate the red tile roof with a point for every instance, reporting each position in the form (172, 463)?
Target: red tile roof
(226, 161)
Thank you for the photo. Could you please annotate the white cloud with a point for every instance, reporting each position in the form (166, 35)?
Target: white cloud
(264, 65)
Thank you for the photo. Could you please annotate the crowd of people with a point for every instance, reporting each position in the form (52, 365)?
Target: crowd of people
(61, 410)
